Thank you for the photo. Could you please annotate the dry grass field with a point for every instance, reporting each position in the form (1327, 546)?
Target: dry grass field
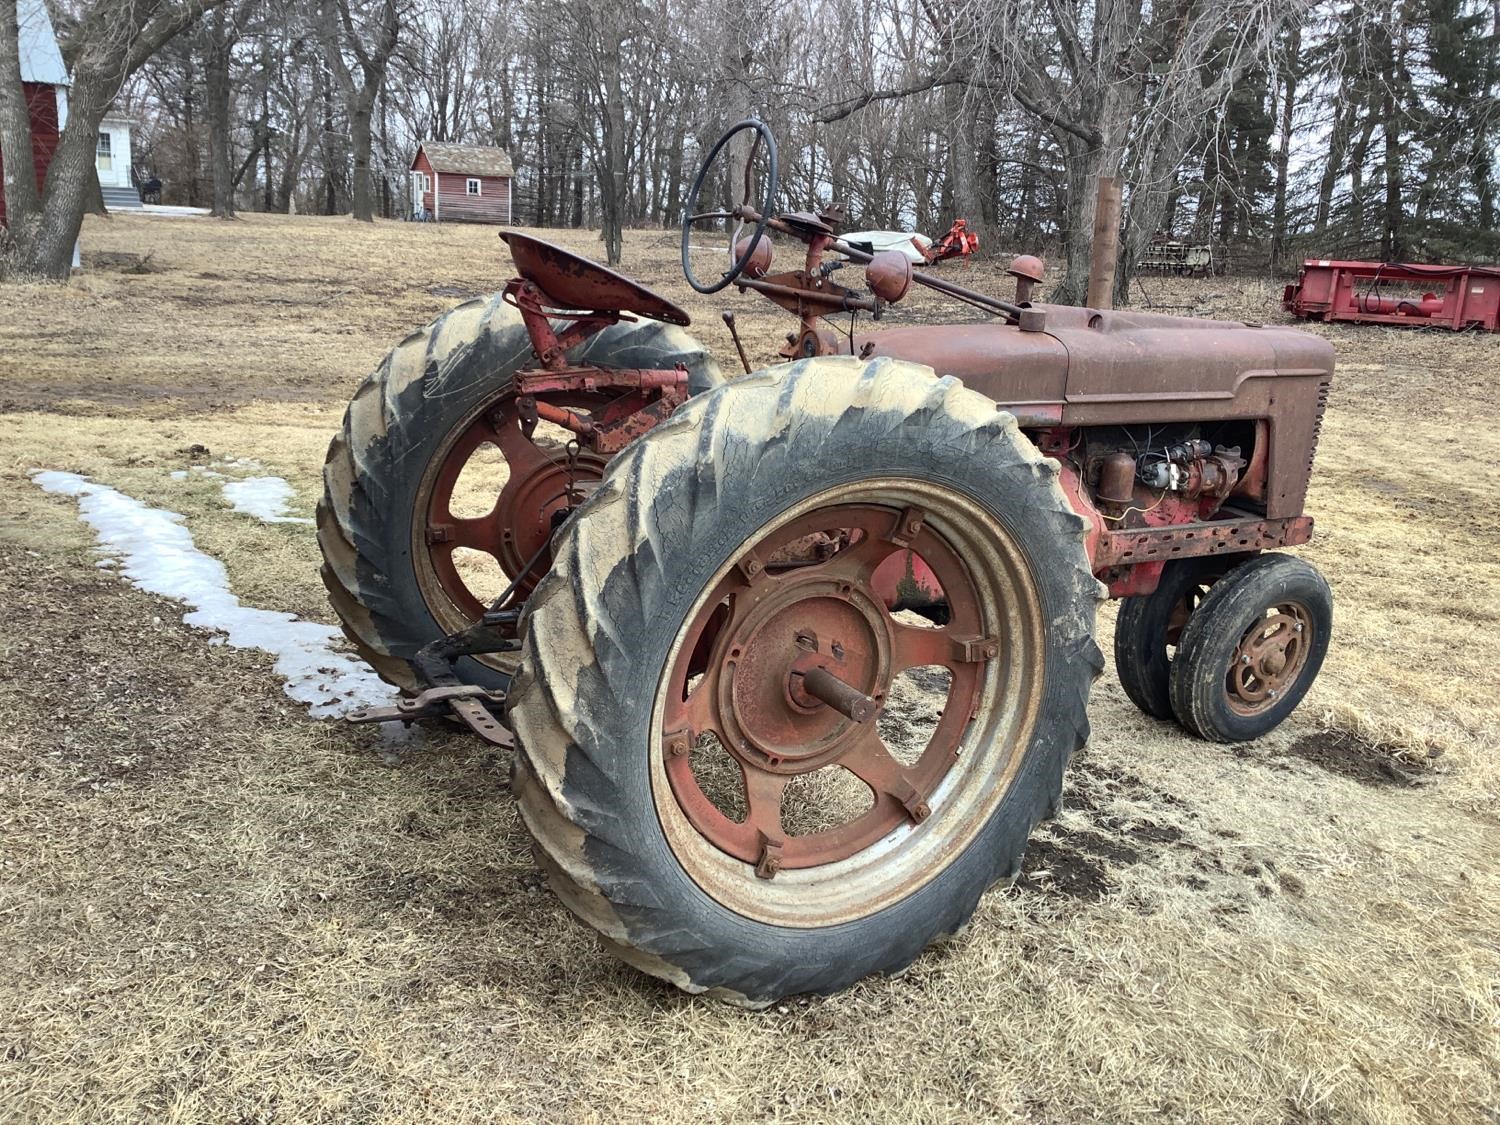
(214, 908)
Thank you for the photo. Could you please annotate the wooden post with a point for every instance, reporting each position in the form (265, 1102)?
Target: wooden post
(1104, 251)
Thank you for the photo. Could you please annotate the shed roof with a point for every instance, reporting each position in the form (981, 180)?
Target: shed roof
(41, 61)
(471, 160)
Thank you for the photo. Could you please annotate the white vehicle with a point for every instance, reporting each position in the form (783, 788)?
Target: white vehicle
(912, 245)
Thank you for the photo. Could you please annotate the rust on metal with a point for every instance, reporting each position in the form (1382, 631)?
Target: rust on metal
(1028, 271)
(1269, 658)
(567, 281)
(1104, 251)
(468, 703)
(847, 700)
(1400, 293)
(789, 663)
(888, 275)
(1189, 540)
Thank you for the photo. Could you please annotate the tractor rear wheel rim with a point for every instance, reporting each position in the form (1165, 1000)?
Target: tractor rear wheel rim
(777, 613)
(1270, 656)
(534, 495)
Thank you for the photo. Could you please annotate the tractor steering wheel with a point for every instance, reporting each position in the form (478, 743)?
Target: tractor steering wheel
(691, 217)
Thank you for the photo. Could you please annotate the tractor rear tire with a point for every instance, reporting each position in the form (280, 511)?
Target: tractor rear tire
(400, 420)
(1143, 630)
(679, 518)
(1251, 649)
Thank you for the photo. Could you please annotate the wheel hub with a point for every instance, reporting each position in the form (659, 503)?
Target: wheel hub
(526, 513)
(1269, 658)
(773, 721)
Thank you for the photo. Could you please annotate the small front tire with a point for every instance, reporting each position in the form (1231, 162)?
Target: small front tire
(1150, 625)
(1251, 649)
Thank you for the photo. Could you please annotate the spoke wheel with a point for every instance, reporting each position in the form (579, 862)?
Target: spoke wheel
(432, 498)
(766, 628)
(1252, 649)
(751, 776)
(535, 484)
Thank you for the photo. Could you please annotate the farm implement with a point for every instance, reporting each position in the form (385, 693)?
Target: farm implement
(1455, 297)
(793, 661)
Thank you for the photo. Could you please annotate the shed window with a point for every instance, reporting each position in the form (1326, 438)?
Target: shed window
(473, 187)
(102, 153)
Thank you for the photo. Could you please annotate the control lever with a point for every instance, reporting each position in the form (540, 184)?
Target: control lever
(728, 315)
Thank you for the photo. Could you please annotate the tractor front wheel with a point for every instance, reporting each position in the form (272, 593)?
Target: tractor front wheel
(737, 763)
(1149, 628)
(1251, 649)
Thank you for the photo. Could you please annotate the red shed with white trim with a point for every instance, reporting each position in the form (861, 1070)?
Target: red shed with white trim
(461, 183)
(44, 80)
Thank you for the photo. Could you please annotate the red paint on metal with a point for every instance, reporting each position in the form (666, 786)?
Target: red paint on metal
(567, 281)
(789, 664)
(904, 580)
(1402, 293)
(959, 242)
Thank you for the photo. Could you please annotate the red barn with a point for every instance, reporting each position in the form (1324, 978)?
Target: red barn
(461, 183)
(44, 79)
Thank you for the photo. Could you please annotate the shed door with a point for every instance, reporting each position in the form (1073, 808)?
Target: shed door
(104, 158)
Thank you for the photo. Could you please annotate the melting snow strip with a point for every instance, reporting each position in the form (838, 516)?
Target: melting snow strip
(156, 553)
(265, 498)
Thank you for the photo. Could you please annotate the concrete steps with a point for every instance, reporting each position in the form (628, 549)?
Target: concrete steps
(121, 198)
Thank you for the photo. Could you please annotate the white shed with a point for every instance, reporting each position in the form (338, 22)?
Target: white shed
(113, 160)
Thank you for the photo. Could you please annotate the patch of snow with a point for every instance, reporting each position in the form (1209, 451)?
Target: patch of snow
(178, 474)
(156, 553)
(170, 209)
(265, 498)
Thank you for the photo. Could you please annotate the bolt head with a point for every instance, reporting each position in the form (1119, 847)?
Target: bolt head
(1245, 659)
(1271, 693)
(1297, 627)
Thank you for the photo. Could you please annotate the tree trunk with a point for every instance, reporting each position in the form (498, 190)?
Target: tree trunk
(1284, 147)
(360, 142)
(612, 185)
(1391, 245)
(1338, 144)
(220, 40)
(23, 201)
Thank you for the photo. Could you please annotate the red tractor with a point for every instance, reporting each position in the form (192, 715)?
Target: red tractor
(794, 661)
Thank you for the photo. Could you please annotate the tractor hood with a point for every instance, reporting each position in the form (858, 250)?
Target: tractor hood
(1098, 366)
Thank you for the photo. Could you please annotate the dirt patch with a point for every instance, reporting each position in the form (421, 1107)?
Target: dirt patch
(1360, 759)
(1080, 861)
(115, 261)
(1063, 867)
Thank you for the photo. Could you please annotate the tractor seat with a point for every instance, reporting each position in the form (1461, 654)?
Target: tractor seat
(569, 282)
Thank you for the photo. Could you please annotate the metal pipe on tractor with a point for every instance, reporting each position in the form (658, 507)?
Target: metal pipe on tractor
(713, 588)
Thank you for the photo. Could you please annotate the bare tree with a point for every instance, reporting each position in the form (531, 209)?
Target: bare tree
(371, 40)
(108, 43)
